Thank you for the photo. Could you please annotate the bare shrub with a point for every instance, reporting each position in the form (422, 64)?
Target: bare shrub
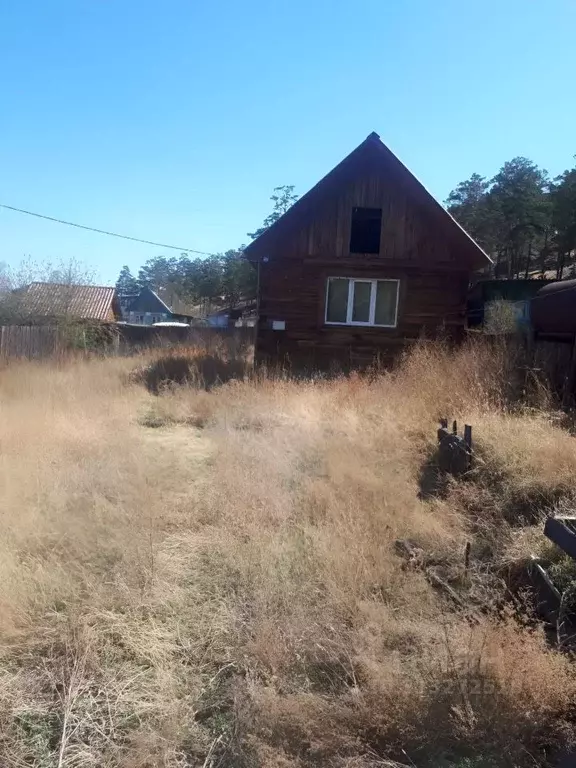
(178, 367)
(501, 317)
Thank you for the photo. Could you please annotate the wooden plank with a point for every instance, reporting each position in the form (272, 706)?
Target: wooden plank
(560, 532)
(468, 442)
(548, 598)
(568, 393)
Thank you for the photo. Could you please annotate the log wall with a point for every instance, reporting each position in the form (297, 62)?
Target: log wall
(433, 278)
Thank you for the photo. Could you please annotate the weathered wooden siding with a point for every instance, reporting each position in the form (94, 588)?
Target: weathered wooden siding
(407, 232)
(428, 303)
(433, 281)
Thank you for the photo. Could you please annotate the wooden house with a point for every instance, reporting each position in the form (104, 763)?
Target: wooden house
(363, 263)
(51, 302)
(147, 308)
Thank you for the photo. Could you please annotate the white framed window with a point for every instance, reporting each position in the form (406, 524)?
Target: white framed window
(362, 301)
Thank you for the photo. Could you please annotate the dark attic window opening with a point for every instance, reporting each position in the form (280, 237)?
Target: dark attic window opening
(365, 230)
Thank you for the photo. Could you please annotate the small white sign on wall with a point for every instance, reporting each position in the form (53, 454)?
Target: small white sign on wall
(278, 325)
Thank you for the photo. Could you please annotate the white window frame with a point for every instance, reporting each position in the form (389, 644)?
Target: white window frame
(350, 306)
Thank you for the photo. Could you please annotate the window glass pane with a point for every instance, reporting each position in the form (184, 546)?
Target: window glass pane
(337, 303)
(386, 298)
(361, 306)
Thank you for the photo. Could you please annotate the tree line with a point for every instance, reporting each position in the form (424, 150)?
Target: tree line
(524, 219)
(220, 280)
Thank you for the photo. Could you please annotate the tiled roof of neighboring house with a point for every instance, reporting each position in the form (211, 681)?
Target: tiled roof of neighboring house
(88, 302)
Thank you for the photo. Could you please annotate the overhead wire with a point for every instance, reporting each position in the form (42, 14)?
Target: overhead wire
(106, 232)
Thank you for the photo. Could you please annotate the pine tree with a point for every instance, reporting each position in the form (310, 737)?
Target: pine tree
(283, 198)
(563, 196)
(126, 283)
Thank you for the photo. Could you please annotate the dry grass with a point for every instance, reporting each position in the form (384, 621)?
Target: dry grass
(224, 590)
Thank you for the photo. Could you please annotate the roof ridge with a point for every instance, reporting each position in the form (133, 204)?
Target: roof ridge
(71, 285)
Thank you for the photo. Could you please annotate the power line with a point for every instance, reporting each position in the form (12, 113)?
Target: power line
(105, 232)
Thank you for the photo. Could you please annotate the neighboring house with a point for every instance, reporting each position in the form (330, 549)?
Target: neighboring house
(364, 262)
(518, 292)
(240, 315)
(218, 319)
(55, 301)
(147, 308)
(125, 300)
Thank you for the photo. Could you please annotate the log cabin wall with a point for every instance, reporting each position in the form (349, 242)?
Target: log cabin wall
(433, 284)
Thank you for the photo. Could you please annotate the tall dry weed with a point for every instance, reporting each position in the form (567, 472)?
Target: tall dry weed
(225, 589)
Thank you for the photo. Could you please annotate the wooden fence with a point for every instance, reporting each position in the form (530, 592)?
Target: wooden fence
(39, 342)
(30, 342)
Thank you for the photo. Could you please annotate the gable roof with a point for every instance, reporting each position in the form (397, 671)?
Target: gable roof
(86, 302)
(147, 301)
(377, 154)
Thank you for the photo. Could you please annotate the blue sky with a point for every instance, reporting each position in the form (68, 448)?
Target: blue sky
(173, 121)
